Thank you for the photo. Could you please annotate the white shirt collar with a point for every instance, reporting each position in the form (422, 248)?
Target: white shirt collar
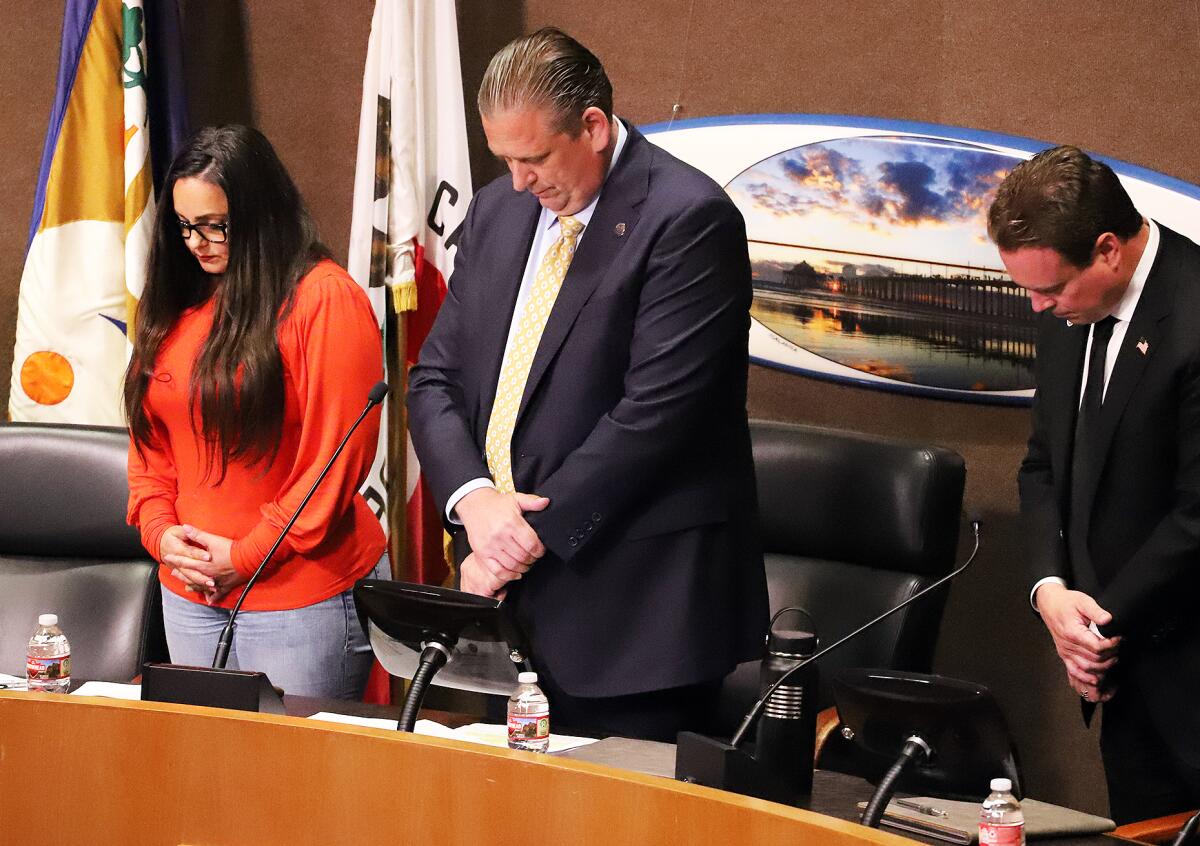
(584, 215)
(1126, 306)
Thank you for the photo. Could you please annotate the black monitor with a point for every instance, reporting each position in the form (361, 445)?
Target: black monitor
(950, 734)
(470, 642)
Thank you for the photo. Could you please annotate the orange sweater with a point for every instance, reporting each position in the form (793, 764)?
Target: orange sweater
(330, 345)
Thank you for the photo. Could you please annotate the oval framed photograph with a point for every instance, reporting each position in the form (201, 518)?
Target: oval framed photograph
(868, 241)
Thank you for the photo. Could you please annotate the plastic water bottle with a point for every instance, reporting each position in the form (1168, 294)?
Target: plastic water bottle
(1001, 822)
(48, 666)
(528, 716)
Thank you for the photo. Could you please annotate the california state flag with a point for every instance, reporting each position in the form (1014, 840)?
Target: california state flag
(412, 186)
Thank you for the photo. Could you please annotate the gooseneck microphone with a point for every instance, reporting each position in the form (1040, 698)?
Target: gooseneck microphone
(756, 710)
(374, 398)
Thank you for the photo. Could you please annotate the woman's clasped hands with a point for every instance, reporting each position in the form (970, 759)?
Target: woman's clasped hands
(201, 560)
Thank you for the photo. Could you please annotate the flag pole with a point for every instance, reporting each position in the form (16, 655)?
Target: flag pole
(397, 441)
(395, 358)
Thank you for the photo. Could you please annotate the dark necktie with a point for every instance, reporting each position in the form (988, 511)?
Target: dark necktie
(1083, 450)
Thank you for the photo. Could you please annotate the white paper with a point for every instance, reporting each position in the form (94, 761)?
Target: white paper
(434, 729)
(497, 736)
(346, 719)
(110, 690)
(481, 733)
(13, 682)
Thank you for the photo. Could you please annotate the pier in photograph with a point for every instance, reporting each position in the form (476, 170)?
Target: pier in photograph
(929, 323)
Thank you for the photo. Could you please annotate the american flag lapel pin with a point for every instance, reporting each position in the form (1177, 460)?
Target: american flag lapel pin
(1143, 346)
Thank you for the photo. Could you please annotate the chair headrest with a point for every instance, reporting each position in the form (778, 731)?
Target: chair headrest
(844, 496)
(64, 491)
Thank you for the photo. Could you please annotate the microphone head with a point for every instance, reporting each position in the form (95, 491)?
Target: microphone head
(974, 518)
(378, 391)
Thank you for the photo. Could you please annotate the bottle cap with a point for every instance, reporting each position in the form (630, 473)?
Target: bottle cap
(1001, 785)
(527, 678)
(47, 619)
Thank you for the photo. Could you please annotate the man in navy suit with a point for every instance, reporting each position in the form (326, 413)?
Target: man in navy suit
(580, 404)
(1110, 487)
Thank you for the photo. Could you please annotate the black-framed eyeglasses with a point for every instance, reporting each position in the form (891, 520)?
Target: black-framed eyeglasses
(215, 233)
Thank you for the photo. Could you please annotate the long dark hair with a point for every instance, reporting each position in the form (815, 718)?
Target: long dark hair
(237, 381)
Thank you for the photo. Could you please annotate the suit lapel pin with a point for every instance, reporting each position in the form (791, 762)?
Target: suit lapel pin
(1143, 346)
(619, 229)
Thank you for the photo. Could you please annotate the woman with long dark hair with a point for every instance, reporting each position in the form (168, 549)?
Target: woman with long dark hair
(253, 353)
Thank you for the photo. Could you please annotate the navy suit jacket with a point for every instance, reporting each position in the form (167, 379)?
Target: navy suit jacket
(633, 423)
(1143, 486)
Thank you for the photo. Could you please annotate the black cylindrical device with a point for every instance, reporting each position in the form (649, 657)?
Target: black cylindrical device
(788, 726)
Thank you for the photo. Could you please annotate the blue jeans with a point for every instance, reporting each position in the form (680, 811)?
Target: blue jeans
(319, 650)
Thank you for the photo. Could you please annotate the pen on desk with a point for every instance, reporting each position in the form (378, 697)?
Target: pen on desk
(920, 807)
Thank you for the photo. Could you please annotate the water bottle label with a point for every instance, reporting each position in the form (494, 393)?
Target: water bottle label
(994, 834)
(528, 727)
(48, 669)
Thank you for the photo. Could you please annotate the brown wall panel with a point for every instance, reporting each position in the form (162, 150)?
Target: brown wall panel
(27, 68)
(483, 27)
(1110, 76)
(303, 66)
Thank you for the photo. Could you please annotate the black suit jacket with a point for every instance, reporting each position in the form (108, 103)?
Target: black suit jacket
(1142, 562)
(633, 423)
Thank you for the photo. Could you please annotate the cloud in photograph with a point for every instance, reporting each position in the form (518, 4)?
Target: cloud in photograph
(886, 181)
(899, 197)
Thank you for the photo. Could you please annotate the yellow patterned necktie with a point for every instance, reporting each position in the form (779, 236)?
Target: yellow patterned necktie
(519, 358)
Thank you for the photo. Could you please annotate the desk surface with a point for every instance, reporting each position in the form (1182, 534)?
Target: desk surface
(834, 794)
(149, 772)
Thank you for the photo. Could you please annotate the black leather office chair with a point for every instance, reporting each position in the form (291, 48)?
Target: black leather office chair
(852, 525)
(65, 549)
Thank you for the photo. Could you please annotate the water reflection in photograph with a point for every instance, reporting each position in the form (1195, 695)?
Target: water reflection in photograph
(966, 332)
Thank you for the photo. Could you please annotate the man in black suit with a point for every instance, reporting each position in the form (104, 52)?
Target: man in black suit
(1110, 486)
(580, 404)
